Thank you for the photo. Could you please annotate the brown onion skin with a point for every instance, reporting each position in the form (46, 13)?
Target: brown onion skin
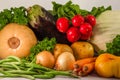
(46, 59)
(65, 61)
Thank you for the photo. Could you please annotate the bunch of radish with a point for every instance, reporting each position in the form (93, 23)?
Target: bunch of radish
(78, 28)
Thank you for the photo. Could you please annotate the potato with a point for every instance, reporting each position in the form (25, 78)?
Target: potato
(60, 48)
(82, 50)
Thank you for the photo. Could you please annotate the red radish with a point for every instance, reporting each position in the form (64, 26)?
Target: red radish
(77, 20)
(85, 28)
(86, 36)
(90, 19)
(62, 24)
(73, 34)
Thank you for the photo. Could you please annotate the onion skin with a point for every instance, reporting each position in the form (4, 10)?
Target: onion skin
(65, 61)
(46, 59)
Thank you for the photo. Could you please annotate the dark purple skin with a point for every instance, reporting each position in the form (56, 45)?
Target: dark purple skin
(45, 27)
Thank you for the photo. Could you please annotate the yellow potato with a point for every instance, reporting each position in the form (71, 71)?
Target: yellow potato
(82, 50)
(60, 48)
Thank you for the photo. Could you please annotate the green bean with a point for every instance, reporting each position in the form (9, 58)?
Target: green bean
(10, 74)
(17, 75)
(3, 72)
(6, 66)
(58, 73)
(31, 68)
(6, 69)
(38, 67)
(14, 58)
(11, 62)
(64, 73)
(5, 60)
(21, 72)
(36, 70)
(15, 67)
(44, 76)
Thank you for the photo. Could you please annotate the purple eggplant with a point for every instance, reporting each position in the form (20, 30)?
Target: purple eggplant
(42, 23)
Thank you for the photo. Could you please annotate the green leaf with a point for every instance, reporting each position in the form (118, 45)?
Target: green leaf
(13, 15)
(45, 44)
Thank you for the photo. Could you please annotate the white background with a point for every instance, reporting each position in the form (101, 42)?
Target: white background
(84, 4)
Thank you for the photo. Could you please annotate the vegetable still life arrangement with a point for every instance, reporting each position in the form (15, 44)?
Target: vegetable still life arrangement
(67, 41)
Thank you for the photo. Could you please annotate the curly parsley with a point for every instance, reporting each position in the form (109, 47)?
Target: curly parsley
(45, 44)
(13, 15)
(114, 47)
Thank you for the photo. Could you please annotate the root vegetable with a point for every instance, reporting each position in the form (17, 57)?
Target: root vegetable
(87, 68)
(84, 61)
(45, 58)
(65, 61)
(16, 40)
(84, 66)
(60, 48)
(82, 50)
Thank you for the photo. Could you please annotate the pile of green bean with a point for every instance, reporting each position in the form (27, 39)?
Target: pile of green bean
(15, 67)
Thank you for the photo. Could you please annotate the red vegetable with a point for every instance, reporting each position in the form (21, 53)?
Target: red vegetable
(77, 20)
(90, 19)
(86, 36)
(85, 28)
(73, 34)
(62, 24)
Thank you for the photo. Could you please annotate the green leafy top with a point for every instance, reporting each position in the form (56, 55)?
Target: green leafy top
(69, 10)
(14, 15)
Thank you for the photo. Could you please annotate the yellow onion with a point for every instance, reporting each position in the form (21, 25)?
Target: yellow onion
(65, 61)
(46, 59)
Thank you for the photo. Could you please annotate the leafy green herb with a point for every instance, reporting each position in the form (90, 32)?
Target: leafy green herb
(114, 47)
(14, 15)
(69, 10)
(45, 44)
(97, 11)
